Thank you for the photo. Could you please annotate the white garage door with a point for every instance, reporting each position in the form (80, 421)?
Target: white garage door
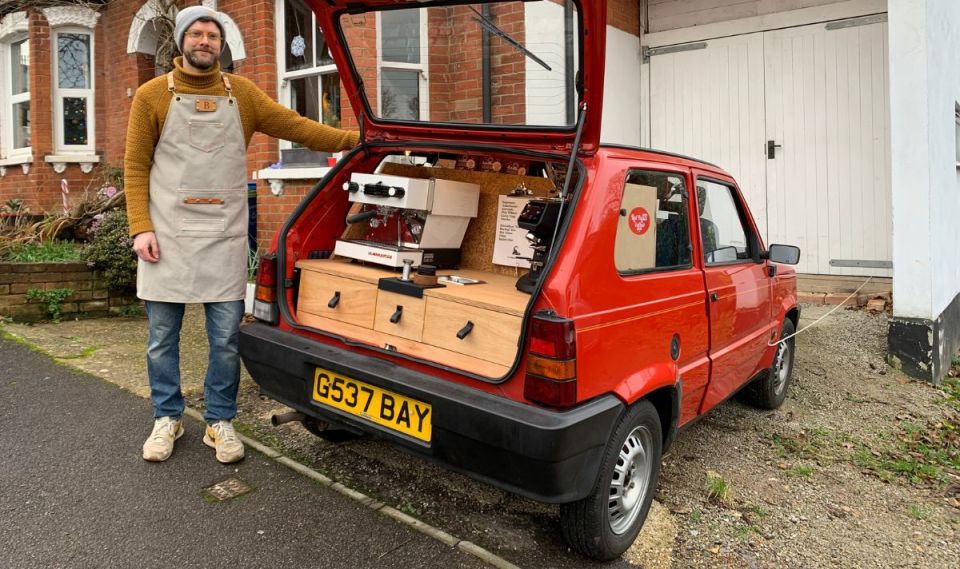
(817, 98)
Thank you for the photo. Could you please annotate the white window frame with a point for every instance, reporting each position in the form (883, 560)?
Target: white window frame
(284, 78)
(59, 94)
(421, 67)
(8, 100)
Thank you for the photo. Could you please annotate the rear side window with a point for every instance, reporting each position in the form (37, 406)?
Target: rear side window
(653, 231)
(722, 227)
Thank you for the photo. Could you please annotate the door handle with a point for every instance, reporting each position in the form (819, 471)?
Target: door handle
(335, 300)
(465, 330)
(714, 297)
(395, 317)
(772, 149)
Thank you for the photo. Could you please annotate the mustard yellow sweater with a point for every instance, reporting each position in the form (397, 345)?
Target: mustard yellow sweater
(258, 113)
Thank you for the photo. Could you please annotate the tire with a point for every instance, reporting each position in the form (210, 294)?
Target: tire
(770, 390)
(328, 434)
(601, 527)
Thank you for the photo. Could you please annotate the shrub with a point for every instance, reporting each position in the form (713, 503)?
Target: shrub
(111, 250)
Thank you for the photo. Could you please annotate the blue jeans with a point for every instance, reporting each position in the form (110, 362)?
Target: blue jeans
(223, 366)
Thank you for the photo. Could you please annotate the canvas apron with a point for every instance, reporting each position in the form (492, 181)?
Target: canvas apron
(198, 203)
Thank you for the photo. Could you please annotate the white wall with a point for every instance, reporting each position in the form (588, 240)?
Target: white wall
(674, 14)
(546, 96)
(621, 89)
(924, 88)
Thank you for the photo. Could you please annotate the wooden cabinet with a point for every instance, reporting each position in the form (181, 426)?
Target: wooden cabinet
(400, 315)
(475, 328)
(477, 332)
(338, 297)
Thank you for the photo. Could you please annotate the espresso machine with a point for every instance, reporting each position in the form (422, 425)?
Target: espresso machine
(408, 221)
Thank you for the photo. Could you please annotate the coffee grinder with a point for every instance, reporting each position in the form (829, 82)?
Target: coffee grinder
(539, 217)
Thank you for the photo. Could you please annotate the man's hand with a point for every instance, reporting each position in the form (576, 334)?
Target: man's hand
(145, 245)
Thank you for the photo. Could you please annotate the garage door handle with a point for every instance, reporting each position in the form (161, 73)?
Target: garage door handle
(395, 317)
(335, 300)
(465, 330)
(772, 149)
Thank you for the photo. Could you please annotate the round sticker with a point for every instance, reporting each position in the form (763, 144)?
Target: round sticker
(639, 220)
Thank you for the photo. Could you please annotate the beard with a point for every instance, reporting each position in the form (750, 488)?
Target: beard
(205, 64)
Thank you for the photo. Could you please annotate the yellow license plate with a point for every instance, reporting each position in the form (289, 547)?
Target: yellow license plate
(386, 408)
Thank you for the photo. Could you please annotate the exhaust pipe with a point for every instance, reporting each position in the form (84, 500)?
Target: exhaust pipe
(277, 420)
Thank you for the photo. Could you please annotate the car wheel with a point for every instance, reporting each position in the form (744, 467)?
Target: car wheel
(770, 390)
(604, 524)
(327, 433)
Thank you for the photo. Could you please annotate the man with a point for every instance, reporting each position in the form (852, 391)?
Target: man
(185, 176)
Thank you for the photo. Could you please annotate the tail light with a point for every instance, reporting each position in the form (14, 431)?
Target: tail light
(265, 297)
(551, 377)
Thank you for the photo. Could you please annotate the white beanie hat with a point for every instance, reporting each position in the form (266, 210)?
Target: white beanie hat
(186, 18)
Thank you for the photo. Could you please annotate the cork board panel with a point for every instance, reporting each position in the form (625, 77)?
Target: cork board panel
(477, 249)
(636, 244)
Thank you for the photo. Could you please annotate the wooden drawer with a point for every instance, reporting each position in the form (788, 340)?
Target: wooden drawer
(494, 335)
(410, 324)
(356, 304)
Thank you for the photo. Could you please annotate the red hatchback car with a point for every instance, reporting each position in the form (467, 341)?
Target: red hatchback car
(485, 284)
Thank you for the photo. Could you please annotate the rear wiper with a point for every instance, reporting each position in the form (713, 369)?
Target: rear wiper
(493, 29)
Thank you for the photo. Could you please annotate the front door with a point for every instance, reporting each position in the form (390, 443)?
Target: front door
(738, 288)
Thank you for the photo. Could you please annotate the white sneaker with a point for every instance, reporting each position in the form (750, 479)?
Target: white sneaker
(223, 437)
(159, 445)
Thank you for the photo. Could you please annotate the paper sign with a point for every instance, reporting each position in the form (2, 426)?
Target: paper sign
(511, 248)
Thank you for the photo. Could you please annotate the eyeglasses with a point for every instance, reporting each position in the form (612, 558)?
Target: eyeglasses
(196, 35)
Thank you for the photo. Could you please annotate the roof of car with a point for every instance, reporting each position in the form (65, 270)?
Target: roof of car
(662, 153)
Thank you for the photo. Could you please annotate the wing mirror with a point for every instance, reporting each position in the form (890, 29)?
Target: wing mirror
(787, 254)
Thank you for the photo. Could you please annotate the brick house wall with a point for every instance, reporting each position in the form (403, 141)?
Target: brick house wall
(456, 95)
(117, 75)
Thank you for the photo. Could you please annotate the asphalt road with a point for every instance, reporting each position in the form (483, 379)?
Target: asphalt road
(74, 492)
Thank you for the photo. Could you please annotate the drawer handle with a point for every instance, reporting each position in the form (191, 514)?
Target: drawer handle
(335, 300)
(465, 330)
(395, 317)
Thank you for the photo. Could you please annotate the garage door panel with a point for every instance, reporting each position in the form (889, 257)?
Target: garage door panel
(708, 103)
(826, 103)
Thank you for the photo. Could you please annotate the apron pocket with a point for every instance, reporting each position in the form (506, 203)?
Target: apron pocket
(205, 226)
(211, 213)
(207, 136)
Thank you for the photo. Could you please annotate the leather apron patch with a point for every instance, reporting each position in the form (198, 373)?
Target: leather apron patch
(206, 106)
(203, 201)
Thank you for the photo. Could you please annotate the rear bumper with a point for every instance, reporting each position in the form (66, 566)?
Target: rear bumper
(550, 456)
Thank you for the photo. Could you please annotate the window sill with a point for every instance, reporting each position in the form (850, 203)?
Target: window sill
(276, 176)
(23, 160)
(60, 161)
(293, 173)
(17, 160)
